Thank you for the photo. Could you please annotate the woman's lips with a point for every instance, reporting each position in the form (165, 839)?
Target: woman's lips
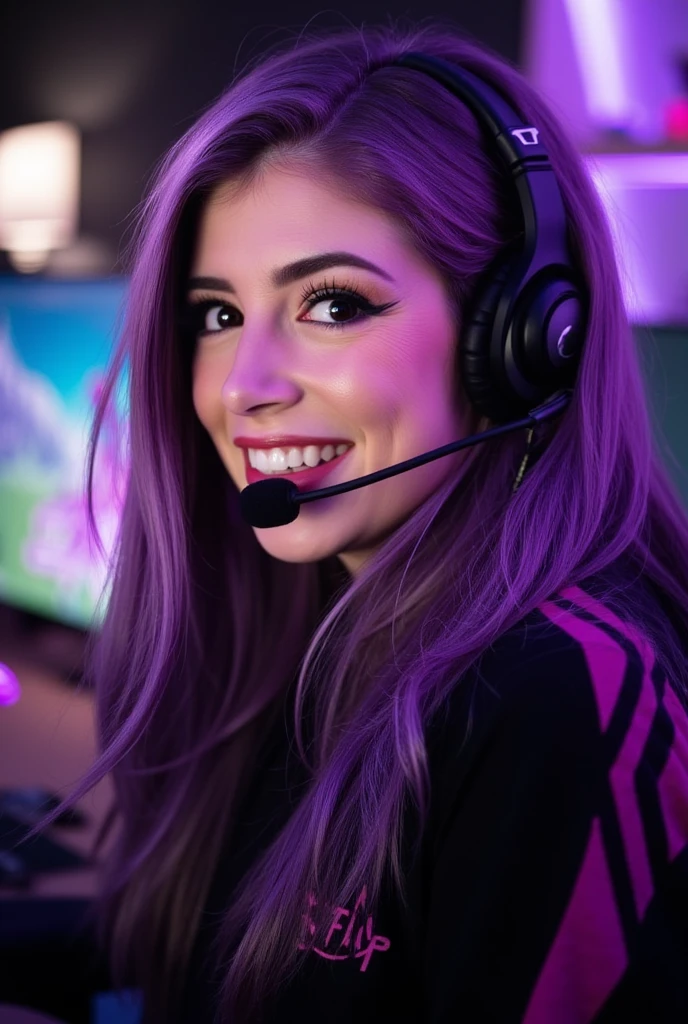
(304, 478)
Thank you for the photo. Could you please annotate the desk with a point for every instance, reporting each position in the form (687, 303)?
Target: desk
(48, 739)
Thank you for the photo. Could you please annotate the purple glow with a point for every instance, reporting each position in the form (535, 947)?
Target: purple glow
(651, 254)
(609, 64)
(640, 170)
(597, 36)
(10, 690)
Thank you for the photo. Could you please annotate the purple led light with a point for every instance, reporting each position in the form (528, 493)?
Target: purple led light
(10, 690)
(641, 170)
(597, 31)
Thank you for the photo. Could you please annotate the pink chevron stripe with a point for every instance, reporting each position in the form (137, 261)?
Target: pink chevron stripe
(622, 779)
(605, 614)
(602, 657)
(606, 660)
(673, 783)
(588, 956)
(673, 787)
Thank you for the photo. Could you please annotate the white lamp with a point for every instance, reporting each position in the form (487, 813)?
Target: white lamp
(39, 191)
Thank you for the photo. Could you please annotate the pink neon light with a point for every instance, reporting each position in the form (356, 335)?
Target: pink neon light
(10, 690)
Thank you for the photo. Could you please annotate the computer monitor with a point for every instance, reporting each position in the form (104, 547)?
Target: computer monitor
(56, 338)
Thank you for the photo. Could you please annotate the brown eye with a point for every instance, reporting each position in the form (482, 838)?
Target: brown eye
(209, 316)
(341, 310)
(341, 306)
(218, 318)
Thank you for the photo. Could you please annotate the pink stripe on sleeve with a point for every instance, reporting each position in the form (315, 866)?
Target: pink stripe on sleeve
(588, 957)
(602, 656)
(673, 782)
(605, 614)
(606, 660)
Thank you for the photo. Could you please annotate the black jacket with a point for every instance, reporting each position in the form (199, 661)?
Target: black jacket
(552, 882)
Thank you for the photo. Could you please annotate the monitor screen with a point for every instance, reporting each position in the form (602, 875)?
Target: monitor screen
(56, 338)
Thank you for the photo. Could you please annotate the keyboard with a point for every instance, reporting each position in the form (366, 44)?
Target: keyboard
(39, 854)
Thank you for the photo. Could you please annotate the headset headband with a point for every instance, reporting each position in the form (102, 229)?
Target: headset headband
(536, 303)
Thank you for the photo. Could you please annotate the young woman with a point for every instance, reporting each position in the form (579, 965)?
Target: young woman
(421, 753)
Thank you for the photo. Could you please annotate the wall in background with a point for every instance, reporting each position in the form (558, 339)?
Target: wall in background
(611, 71)
(664, 356)
(134, 75)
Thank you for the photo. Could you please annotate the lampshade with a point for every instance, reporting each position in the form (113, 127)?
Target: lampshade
(39, 191)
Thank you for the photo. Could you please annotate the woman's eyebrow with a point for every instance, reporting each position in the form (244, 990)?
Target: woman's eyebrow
(300, 268)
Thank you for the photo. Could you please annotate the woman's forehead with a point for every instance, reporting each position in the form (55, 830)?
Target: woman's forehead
(295, 211)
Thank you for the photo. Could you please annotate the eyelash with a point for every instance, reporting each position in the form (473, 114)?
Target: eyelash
(198, 308)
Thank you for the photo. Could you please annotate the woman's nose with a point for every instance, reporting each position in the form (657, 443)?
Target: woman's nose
(262, 373)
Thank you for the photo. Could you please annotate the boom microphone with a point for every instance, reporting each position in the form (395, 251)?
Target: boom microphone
(277, 502)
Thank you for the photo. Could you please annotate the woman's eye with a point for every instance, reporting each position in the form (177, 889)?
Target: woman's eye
(216, 317)
(329, 307)
(208, 316)
(337, 310)
(333, 308)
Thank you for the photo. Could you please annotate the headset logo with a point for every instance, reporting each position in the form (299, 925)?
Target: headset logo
(526, 136)
(561, 344)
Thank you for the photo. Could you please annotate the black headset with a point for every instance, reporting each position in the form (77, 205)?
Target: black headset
(525, 325)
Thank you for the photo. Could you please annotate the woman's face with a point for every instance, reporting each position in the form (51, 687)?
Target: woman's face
(277, 362)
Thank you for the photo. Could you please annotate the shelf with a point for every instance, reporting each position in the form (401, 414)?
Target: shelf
(640, 168)
(612, 145)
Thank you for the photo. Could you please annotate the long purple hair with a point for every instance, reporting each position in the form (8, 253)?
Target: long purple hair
(184, 666)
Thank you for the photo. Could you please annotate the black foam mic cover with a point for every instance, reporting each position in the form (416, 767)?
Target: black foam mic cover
(269, 502)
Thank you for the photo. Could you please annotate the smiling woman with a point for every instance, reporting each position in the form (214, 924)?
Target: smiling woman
(422, 753)
(328, 364)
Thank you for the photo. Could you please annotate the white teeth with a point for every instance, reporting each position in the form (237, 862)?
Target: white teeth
(278, 460)
(295, 458)
(311, 455)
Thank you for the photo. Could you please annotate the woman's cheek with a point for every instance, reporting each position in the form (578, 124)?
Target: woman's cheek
(201, 397)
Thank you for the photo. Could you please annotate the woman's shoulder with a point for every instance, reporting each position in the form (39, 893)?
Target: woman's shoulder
(572, 647)
(560, 825)
(572, 679)
(577, 645)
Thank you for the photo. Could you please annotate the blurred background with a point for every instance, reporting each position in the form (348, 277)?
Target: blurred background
(91, 96)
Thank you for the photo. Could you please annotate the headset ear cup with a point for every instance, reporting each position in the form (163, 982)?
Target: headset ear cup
(476, 375)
